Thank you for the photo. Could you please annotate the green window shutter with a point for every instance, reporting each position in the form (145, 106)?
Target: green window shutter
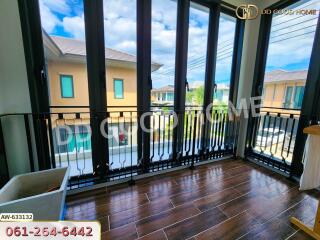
(288, 97)
(66, 84)
(298, 97)
(118, 88)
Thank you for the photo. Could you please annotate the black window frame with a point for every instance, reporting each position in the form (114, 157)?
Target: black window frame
(94, 34)
(61, 90)
(309, 103)
(114, 88)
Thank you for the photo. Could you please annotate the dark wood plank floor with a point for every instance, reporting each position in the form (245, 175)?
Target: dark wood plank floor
(229, 199)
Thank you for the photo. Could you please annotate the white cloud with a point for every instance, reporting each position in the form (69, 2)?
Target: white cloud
(120, 33)
(48, 19)
(74, 26)
(58, 6)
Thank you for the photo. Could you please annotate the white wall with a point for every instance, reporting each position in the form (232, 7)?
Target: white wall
(14, 90)
(250, 42)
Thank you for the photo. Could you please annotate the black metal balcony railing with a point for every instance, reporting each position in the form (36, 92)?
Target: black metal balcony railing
(69, 139)
(274, 136)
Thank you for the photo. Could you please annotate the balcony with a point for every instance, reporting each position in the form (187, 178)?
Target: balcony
(178, 119)
(69, 137)
(202, 204)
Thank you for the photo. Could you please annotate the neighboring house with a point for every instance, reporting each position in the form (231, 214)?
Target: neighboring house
(67, 70)
(284, 89)
(163, 95)
(221, 95)
(68, 86)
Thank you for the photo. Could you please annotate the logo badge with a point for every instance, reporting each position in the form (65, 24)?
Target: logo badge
(247, 11)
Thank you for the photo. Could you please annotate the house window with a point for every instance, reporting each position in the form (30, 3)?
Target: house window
(219, 95)
(288, 97)
(294, 97)
(118, 88)
(298, 97)
(66, 85)
(163, 96)
(75, 139)
(170, 96)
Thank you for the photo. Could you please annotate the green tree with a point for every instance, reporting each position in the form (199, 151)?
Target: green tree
(195, 96)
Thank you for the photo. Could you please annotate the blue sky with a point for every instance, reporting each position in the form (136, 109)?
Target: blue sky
(65, 18)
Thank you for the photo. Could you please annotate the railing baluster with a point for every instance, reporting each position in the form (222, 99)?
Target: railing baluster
(291, 133)
(163, 135)
(83, 148)
(153, 136)
(268, 117)
(58, 145)
(169, 134)
(284, 141)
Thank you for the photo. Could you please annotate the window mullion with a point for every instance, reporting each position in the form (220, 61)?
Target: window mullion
(94, 29)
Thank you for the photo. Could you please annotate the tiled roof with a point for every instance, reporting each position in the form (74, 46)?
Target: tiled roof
(168, 88)
(78, 47)
(282, 75)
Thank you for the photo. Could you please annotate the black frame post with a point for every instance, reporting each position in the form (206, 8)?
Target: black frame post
(211, 59)
(310, 104)
(180, 75)
(144, 78)
(236, 61)
(4, 171)
(259, 71)
(37, 79)
(94, 29)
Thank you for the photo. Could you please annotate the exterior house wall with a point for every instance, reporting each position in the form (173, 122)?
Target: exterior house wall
(80, 85)
(274, 93)
(129, 77)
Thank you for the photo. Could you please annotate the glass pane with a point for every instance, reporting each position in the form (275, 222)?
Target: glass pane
(65, 51)
(163, 48)
(197, 52)
(63, 36)
(120, 20)
(289, 52)
(120, 25)
(227, 29)
(66, 86)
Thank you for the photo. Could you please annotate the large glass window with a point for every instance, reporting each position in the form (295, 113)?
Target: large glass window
(64, 44)
(290, 45)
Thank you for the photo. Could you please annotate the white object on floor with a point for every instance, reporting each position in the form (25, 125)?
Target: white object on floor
(311, 160)
(28, 193)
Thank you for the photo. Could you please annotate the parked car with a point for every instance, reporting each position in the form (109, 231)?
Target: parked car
(269, 136)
